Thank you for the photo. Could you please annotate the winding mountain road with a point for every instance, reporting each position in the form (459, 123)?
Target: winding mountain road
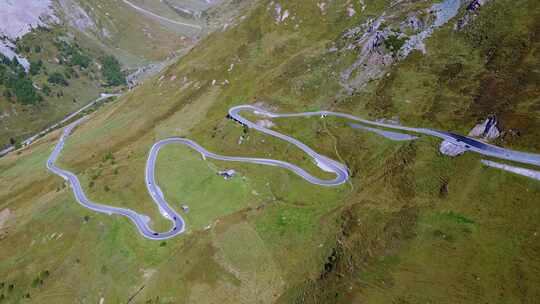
(141, 221)
(468, 143)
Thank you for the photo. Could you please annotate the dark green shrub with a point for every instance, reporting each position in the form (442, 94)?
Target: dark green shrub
(57, 78)
(112, 71)
(393, 43)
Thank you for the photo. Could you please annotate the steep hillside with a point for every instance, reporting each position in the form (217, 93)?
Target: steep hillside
(62, 77)
(411, 226)
(74, 38)
(131, 30)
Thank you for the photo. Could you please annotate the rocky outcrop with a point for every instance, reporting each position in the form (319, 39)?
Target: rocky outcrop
(77, 16)
(17, 18)
(7, 48)
(372, 59)
(280, 14)
(472, 11)
(380, 45)
(451, 149)
(487, 130)
(443, 12)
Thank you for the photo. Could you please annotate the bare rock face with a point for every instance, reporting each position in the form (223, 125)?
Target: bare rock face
(372, 58)
(451, 149)
(368, 40)
(487, 130)
(470, 13)
(19, 17)
(77, 16)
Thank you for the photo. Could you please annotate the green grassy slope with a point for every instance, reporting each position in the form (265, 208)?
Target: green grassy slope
(412, 226)
(97, 29)
(58, 54)
(132, 36)
(491, 66)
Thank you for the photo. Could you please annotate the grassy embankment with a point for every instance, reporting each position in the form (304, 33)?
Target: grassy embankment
(411, 226)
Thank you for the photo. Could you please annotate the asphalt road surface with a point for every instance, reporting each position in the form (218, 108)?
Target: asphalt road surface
(468, 143)
(325, 163)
